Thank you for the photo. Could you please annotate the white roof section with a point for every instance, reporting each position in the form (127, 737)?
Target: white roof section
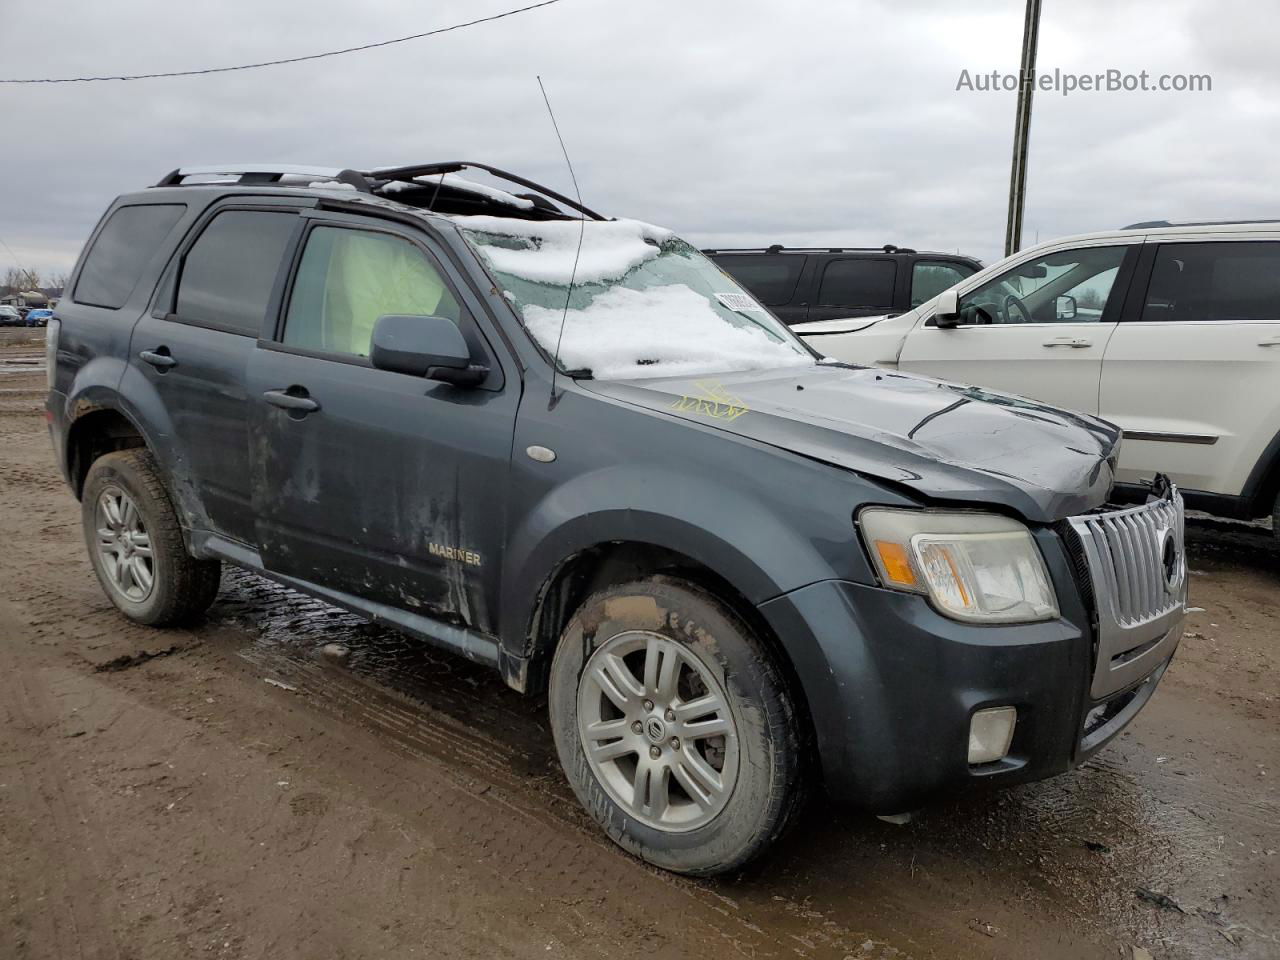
(239, 169)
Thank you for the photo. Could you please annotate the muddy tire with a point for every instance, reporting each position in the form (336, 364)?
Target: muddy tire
(675, 727)
(136, 544)
(1275, 518)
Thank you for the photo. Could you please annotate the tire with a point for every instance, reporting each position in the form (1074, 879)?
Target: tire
(1275, 518)
(131, 528)
(682, 822)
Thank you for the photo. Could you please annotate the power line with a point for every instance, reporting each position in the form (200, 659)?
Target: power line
(276, 63)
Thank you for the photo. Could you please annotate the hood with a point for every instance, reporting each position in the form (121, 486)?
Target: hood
(811, 328)
(946, 441)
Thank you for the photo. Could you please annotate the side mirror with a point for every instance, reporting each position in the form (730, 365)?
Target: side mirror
(431, 347)
(946, 315)
(1065, 307)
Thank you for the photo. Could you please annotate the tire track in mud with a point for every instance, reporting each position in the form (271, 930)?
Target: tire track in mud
(430, 714)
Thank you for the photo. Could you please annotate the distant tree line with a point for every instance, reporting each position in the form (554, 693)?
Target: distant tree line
(17, 280)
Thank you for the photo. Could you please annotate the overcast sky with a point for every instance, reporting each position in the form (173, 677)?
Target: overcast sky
(731, 121)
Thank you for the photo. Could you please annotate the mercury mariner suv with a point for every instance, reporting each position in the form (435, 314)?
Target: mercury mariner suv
(573, 449)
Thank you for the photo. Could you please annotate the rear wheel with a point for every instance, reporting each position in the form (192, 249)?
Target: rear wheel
(136, 545)
(674, 726)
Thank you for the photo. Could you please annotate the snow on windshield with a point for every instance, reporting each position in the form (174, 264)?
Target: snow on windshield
(643, 302)
(543, 251)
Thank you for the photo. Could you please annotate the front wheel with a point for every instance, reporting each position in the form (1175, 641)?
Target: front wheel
(674, 726)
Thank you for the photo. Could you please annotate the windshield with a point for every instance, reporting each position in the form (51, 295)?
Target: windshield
(644, 303)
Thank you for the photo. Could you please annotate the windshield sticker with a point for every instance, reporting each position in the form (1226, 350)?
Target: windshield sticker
(713, 401)
(739, 302)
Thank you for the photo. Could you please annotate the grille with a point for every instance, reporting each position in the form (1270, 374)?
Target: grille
(1137, 573)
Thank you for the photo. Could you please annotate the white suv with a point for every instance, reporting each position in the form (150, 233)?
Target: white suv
(1171, 331)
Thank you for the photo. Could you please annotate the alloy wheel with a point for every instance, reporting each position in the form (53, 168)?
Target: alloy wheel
(124, 546)
(657, 731)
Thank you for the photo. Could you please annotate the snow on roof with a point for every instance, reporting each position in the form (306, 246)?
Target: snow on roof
(460, 183)
(610, 248)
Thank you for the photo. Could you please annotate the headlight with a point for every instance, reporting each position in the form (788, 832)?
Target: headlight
(972, 566)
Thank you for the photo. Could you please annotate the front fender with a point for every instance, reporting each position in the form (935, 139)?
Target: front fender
(721, 527)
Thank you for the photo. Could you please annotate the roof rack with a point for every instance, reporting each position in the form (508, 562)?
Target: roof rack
(365, 181)
(1158, 224)
(264, 174)
(410, 174)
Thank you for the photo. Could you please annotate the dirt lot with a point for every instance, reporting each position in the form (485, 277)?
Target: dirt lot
(160, 799)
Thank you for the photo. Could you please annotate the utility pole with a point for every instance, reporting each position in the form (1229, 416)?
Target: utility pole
(1022, 128)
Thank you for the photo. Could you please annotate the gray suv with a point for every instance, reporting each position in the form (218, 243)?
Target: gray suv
(573, 449)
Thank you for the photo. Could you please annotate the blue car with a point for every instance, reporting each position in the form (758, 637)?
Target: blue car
(39, 318)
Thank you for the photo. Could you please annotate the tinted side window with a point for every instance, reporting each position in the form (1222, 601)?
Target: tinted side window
(930, 277)
(126, 242)
(349, 278)
(858, 283)
(1215, 281)
(228, 273)
(771, 277)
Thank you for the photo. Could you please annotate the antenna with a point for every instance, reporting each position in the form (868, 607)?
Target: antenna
(582, 228)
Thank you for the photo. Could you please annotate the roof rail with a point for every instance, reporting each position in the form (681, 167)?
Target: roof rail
(1157, 224)
(266, 173)
(410, 173)
(366, 181)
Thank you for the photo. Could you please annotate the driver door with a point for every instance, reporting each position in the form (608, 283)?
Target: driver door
(1038, 330)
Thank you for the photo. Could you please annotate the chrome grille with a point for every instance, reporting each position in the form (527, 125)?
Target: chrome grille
(1138, 571)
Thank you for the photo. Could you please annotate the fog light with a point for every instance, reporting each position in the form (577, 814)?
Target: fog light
(990, 733)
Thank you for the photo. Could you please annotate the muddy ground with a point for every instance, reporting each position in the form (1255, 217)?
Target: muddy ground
(231, 791)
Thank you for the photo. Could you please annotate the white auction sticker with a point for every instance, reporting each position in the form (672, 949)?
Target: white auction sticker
(739, 301)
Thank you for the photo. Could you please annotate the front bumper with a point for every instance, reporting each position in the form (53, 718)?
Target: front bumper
(891, 686)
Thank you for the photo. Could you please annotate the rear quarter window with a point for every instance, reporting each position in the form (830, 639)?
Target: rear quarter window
(771, 277)
(124, 245)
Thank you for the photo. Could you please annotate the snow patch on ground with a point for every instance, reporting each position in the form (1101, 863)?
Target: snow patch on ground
(667, 331)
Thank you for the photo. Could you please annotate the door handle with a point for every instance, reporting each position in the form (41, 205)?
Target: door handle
(297, 401)
(158, 358)
(1068, 342)
(1273, 342)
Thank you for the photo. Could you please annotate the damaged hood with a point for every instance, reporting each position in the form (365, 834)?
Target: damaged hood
(946, 441)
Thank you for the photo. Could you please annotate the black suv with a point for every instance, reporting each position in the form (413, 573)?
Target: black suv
(831, 283)
(569, 447)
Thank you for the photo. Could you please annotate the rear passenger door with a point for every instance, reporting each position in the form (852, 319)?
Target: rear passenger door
(193, 348)
(855, 287)
(1192, 374)
(390, 488)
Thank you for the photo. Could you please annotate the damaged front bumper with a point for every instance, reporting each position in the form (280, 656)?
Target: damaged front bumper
(892, 685)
